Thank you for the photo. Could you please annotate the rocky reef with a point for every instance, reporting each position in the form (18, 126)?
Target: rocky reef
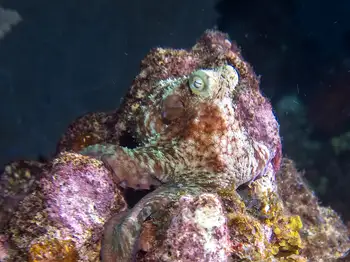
(194, 131)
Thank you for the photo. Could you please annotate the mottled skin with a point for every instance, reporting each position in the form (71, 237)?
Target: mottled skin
(200, 123)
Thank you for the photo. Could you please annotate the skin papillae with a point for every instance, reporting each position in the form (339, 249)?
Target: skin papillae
(200, 122)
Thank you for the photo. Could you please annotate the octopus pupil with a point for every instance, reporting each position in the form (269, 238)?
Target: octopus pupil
(198, 83)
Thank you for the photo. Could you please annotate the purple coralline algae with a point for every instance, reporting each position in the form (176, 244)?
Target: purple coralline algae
(197, 231)
(66, 211)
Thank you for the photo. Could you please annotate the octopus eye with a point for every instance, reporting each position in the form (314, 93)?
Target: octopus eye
(173, 108)
(198, 82)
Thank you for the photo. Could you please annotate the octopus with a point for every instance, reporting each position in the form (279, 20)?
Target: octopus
(199, 123)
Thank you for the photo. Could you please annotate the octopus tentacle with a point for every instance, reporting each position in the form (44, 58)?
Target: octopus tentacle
(137, 168)
(98, 150)
(122, 231)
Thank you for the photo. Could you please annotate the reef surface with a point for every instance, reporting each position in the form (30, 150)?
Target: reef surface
(195, 130)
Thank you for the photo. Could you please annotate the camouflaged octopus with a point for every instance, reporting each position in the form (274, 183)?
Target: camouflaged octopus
(200, 123)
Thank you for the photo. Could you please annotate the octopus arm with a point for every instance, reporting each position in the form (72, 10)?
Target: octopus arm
(137, 168)
(123, 230)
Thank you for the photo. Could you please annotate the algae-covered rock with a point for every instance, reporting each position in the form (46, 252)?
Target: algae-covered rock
(63, 218)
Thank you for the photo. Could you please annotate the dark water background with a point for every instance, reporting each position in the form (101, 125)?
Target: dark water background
(67, 58)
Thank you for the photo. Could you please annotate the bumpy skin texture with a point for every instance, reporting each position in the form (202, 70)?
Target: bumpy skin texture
(227, 130)
(199, 120)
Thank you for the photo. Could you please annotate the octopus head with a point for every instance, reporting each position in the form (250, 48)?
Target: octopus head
(187, 105)
(206, 104)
